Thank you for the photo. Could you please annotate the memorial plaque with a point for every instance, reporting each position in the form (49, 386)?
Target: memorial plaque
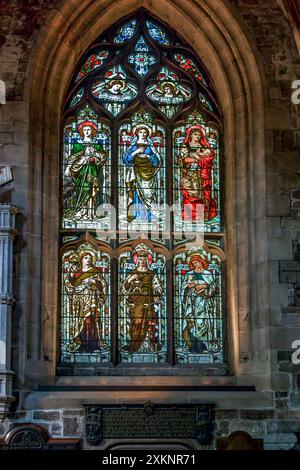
(149, 421)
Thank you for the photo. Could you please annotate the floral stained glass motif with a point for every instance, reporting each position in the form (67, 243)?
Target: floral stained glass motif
(168, 92)
(93, 62)
(86, 172)
(141, 174)
(125, 32)
(77, 98)
(158, 34)
(196, 183)
(190, 66)
(114, 90)
(85, 311)
(142, 59)
(198, 307)
(142, 306)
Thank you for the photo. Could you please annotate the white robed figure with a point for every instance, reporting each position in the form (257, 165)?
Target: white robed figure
(198, 306)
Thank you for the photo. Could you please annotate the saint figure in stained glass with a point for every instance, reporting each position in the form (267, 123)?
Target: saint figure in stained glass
(86, 299)
(84, 174)
(197, 306)
(142, 321)
(143, 162)
(114, 91)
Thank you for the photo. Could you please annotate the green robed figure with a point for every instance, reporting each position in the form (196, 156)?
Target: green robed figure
(86, 169)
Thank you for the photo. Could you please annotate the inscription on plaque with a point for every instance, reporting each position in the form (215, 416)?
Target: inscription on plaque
(149, 421)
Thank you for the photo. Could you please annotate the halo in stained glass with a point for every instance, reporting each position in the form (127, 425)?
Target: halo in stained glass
(114, 90)
(189, 66)
(158, 34)
(142, 59)
(77, 98)
(125, 32)
(168, 92)
(93, 62)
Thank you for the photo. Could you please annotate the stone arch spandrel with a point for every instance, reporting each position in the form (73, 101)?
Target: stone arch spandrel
(214, 33)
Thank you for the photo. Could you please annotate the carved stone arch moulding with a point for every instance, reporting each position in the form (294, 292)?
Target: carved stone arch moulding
(211, 28)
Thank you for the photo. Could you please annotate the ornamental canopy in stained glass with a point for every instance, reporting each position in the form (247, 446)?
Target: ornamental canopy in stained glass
(141, 172)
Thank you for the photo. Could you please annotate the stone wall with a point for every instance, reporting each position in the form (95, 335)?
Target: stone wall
(275, 427)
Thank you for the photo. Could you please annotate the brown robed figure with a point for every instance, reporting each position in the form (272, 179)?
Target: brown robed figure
(87, 291)
(142, 289)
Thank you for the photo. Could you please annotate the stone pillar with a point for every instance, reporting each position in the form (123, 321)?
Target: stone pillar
(7, 234)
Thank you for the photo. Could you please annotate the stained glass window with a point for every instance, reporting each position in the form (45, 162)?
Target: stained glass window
(77, 97)
(141, 178)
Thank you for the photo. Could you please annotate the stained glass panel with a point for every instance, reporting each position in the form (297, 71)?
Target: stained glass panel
(86, 171)
(125, 32)
(142, 59)
(189, 65)
(168, 93)
(93, 62)
(77, 98)
(158, 34)
(196, 175)
(141, 174)
(114, 90)
(198, 307)
(85, 309)
(142, 306)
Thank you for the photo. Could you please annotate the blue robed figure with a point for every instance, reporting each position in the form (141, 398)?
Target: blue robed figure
(143, 163)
